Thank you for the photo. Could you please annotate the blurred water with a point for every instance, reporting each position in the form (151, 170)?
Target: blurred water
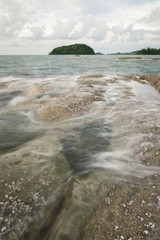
(51, 172)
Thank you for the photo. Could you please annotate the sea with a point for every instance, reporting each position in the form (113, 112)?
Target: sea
(55, 163)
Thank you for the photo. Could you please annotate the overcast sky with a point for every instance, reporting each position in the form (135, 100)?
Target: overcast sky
(38, 26)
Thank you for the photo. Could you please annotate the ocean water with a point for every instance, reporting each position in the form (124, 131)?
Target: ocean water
(46, 66)
(54, 167)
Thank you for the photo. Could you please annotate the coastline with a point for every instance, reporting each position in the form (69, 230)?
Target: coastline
(127, 206)
(130, 211)
(71, 104)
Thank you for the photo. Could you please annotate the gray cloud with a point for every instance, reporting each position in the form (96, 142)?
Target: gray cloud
(101, 23)
(16, 14)
(153, 19)
(130, 35)
(86, 27)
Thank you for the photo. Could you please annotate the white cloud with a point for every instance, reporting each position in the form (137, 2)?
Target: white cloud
(150, 21)
(106, 25)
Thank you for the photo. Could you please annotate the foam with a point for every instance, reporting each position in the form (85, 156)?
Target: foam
(15, 101)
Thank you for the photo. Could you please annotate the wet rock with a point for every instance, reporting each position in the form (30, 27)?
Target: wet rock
(153, 80)
(34, 90)
(80, 148)
(129, 58)
(74, 103)
(134, 224)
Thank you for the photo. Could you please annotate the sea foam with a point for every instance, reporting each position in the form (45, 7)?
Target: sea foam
(17, 100)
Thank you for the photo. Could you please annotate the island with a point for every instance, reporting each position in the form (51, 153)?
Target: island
(144, 51)
(149, 51)
(75, 49)
(99, 53)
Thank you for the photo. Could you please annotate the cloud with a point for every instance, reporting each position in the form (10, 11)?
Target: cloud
(86, 27)
(43, 24)
(62, 29)
(94, 28)
(152, 20)
(102, 7)
(14, 17)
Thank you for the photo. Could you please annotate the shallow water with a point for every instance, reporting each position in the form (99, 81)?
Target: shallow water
(53, 172)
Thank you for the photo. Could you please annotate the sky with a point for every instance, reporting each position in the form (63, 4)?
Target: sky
(108, 26)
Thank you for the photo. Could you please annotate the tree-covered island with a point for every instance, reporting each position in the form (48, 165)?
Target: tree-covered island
(149, 51)
(75, 49)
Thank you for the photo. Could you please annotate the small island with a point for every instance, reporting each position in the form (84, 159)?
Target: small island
(75, 49)
(149, 51)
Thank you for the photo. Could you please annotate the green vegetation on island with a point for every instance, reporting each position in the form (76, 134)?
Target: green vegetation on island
(149, 51)
(75, 49)
(144, 51)
(99, 53)
(125, 53)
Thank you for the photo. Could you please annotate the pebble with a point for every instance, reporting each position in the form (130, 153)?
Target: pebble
(141, 218)
(116, 227)
(150, 134)
(3, 229)
(146, 232)
(148, 214)
(130, 203)
(121, 237)
(150, 224)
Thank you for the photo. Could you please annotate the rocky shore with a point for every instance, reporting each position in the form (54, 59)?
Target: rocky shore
(127, 208)
(76, 102)
(131, 211)
(153, 80)
(139, 58)
(127, 211)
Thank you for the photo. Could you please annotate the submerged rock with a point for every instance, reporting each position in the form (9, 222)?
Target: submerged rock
(81, 146)
(34, 90)
(15, 131)
(129, 58)
(153, 80)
